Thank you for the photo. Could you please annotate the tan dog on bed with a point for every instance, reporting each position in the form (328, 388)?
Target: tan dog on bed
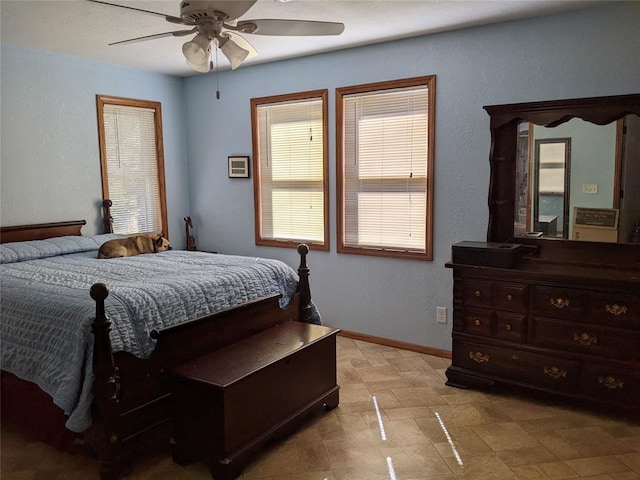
(134, 245)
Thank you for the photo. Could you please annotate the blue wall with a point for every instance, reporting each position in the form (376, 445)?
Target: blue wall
(586, 53)
(50, 159)
(50, 167)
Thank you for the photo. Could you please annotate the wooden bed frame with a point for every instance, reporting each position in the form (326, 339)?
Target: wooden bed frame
(131, 406)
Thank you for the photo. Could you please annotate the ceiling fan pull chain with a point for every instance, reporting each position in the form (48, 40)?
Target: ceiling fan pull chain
(217, 78)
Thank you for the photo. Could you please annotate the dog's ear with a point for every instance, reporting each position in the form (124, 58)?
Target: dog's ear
(158, 240)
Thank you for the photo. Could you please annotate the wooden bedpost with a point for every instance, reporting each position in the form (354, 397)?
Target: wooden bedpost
(106, 388)
(303, 286)
(107, 219)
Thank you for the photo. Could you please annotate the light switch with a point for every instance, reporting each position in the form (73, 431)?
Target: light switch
(589, 188)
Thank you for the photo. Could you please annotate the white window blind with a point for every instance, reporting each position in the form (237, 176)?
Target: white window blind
(385, 166)
(291, 171)
(132, 168)
(552, 167)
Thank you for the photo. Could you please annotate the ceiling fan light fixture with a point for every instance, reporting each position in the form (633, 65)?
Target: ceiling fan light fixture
(200, 67)
(234, 52)
(197, 50)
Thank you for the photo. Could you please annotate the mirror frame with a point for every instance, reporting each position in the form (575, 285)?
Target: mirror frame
(504, 138)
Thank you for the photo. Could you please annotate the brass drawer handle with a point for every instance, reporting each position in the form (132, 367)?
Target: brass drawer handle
(509, 297)
(476, 322)
(555, 372)
(585, 339)
(479, 357)
(507, 327)
(478, 293)
(610, 382)
(559, 302)
(616, 309)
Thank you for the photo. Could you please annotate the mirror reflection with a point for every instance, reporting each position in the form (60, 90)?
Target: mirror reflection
(579, 181)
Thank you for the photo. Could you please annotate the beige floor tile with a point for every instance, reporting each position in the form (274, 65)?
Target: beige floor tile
(415, 461)
(485, 467)
(505, 436)
(597, 465)
(459, 415)
(527, 456)
(418, 397)
(632, 460)
(591, 441)
(467, 441)
(558, 470)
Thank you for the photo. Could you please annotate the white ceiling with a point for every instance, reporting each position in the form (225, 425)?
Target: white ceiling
(82, 28)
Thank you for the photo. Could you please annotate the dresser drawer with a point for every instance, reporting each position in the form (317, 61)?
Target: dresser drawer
(614, 309)
(478, 293)
(612, 384)
(550, 372)
(608, 342)
(509, 326)
(510, 296)
(478, 321)
(564, 303)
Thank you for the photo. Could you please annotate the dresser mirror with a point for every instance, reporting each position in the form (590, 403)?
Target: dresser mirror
(566, 170)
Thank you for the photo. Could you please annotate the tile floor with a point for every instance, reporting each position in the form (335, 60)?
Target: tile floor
(398, 421)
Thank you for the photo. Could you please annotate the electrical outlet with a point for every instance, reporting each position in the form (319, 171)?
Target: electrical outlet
(442, 314)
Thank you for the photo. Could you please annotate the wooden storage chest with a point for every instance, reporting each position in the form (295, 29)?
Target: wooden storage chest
(227, 404)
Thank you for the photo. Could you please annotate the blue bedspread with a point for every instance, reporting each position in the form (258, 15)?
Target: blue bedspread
(47, 311)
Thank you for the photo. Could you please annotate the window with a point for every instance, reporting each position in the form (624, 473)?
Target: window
(384, 169)
(290, 169)
(132, 162)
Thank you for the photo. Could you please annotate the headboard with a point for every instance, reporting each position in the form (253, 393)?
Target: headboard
(40, 231)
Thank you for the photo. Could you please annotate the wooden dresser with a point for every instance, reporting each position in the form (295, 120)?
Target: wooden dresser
(564, 316)
(568, 329)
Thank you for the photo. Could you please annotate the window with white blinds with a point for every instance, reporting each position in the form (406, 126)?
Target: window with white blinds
(290, 169)
(385, 168)
(132, 164)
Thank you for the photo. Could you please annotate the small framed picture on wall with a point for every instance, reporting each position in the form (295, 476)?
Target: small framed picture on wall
(238, 167)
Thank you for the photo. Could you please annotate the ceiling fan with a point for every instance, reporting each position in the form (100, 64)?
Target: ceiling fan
(217, 21)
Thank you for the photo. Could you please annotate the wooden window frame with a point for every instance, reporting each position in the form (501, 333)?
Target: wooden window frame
(321, 95)
(101, 101)
(381, 87)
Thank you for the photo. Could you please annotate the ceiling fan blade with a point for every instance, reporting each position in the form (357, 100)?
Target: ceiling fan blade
(177, 33)
(290, 27)
(242, 43)
(168, 18)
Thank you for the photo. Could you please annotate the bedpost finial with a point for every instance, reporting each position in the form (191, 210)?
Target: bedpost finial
(303, 249)
(99, 291)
